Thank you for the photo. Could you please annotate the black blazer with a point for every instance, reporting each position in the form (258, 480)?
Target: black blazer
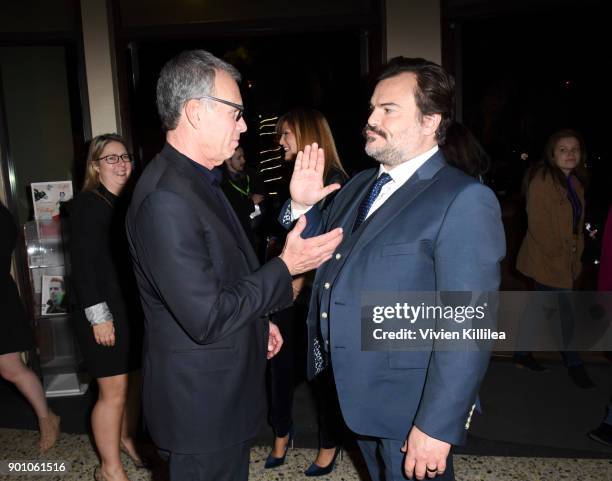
(206, 302)
(100, 261)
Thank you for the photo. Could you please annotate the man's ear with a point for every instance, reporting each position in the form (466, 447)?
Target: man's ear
(431, 123)
(192, 113)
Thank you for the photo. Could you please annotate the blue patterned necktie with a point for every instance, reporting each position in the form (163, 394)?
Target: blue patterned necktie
(366, 204)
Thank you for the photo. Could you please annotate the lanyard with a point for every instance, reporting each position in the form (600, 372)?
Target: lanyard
(242, 191)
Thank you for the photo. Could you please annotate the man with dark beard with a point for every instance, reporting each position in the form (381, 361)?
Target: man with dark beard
(413, 224)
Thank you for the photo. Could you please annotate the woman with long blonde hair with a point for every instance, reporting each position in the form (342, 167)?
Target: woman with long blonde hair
(108, 321)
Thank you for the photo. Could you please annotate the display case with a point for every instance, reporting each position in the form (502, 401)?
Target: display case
(50, 288)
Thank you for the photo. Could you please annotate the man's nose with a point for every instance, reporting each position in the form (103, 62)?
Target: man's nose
(373, 119)
(242, 126)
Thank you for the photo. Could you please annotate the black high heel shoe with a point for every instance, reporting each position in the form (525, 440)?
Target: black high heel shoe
(316, 470)
(274, 462)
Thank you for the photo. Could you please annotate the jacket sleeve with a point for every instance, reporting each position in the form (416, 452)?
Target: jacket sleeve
(314, 220)
(174, 252)
(468, 252)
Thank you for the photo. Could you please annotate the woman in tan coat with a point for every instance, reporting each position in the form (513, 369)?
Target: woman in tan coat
(551, 250)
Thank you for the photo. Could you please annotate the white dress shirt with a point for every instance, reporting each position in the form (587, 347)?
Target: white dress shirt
(399, 176)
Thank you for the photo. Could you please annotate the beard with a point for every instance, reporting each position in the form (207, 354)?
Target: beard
(388, 154)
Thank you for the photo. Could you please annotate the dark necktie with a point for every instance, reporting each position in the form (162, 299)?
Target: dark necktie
(366, 204)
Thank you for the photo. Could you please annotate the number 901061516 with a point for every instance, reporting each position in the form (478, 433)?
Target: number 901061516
(8, 466)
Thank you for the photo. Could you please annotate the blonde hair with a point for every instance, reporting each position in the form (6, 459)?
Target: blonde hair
(308, 126)
(97, 145)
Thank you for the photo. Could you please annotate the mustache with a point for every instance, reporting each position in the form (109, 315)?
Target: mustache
(372, 128)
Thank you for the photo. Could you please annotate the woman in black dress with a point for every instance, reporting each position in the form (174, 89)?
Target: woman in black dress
(297, 129)
(108, 321)
(16, 337)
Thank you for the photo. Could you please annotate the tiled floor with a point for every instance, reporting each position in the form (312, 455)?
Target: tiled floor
(77, 451)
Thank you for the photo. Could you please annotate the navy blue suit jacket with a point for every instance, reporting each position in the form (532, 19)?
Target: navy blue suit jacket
(441, 231)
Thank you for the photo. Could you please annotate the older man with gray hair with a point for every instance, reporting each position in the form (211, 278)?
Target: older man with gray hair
(206, 298)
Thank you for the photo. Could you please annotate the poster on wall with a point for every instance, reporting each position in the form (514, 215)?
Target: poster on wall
(53, 296)
(47, 197)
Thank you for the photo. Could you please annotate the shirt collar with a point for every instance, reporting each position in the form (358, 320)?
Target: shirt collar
(405, 170)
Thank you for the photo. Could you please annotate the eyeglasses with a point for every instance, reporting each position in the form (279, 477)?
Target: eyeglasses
(239, 108)
(113, 159)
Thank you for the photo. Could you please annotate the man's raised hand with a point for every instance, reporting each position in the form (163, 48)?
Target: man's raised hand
(307, 183)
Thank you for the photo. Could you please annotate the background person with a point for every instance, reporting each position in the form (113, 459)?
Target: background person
(603, 433)
(552, 248)
(297, 129)
(16, 337)
(605, 265)
(108, 320)
(463, 151)
(241, 188)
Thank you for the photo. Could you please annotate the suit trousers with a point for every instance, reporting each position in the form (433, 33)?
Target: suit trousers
(385, 461)
(228, 464)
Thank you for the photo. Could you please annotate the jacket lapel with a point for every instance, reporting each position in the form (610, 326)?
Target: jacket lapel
(211, 203)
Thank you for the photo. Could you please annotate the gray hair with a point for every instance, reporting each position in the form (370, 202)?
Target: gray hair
(189, 75)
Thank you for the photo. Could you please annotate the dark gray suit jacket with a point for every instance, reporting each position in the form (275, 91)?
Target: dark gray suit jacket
(206, 301)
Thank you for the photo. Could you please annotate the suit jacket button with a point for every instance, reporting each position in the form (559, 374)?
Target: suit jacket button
(327, 285)
(324, 315)
(338, 256)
